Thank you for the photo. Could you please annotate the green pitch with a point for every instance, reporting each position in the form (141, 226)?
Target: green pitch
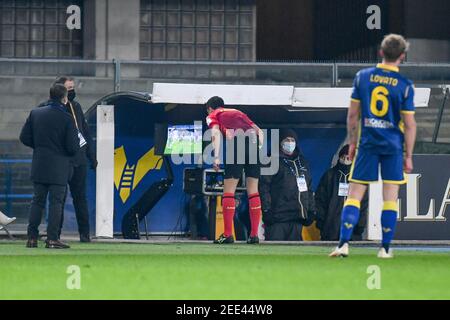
(207, 271)
(183, 147)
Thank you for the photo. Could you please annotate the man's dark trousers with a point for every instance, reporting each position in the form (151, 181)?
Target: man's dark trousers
(56, 202)
(284, 231)
(77, 185)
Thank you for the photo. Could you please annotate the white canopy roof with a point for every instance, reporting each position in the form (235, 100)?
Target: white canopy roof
(182, 93)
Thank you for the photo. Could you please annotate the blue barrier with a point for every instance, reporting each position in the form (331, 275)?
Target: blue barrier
(8, 196)
(14, 161)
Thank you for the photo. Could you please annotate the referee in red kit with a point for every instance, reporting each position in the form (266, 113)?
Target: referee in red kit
(231, 123)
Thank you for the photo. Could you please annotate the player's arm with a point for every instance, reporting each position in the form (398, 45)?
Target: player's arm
(215, 136)
(410, 139)
(352, 126)
(407, 113)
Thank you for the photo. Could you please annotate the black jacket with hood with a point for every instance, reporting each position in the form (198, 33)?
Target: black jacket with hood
(280, 197)
(329, 204)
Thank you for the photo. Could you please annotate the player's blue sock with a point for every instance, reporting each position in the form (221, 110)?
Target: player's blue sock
(349, 218)
(388, 222)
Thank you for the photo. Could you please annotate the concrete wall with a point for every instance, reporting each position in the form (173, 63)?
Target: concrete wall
(429, 50)
(111, 31)
(117, 29)
(20, 94)
(427, 25)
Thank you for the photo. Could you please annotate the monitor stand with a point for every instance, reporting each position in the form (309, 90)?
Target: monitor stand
(139, 211)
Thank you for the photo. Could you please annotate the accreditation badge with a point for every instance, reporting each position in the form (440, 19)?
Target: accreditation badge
(82, 140)
(343, 189)
(301, 184)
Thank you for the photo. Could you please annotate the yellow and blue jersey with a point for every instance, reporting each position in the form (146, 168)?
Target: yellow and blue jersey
(384, 95)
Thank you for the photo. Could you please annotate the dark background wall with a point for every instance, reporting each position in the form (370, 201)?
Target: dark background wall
(427, 19)
(285, 30)
(341, 30)
(336, 30)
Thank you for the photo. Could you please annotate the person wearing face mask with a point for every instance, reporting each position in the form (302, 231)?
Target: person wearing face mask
(51, 133)
(86, 155)
(287, 197)
(330, 197)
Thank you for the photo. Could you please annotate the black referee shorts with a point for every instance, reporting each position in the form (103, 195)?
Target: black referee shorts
(250, 163)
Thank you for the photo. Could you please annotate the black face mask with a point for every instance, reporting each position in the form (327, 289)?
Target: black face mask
(71, 94)
(343, 167)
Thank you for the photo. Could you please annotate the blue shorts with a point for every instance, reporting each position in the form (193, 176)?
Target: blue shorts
(365, 168)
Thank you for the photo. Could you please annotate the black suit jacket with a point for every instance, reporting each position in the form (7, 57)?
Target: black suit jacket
(51, 132)
(87, 151)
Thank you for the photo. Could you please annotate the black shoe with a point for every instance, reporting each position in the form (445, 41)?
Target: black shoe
(84, 238)
(223, 239)
(32, 243)
(253, 240)
(56, 244)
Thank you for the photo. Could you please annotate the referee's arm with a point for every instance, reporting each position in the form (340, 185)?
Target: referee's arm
(215, 136)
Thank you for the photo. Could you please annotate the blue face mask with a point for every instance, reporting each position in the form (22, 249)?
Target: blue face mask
(288, 147)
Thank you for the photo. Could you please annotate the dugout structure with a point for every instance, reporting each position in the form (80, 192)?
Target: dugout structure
(317, 114)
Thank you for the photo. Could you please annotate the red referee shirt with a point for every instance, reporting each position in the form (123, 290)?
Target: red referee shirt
(229, 119)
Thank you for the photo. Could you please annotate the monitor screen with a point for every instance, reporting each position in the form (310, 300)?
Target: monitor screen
(184, 139)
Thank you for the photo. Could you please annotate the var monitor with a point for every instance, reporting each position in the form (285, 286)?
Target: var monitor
(184, 139)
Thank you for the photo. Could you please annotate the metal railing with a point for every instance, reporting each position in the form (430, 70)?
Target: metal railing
(139, 75)
(54, 67)
(309, 74)
(446, 92)
(316, 74)
(432, 75)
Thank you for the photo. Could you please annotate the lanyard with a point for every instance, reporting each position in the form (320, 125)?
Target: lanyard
(295, 173)
(74, 117)
(345, 176)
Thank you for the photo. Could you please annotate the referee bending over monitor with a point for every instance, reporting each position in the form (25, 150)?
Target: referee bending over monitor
(228, 121)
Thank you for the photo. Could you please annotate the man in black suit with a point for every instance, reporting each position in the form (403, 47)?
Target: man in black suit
(85, 155)
(51, 133)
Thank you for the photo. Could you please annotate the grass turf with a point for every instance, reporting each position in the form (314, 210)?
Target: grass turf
(206, 271)
(184, 147)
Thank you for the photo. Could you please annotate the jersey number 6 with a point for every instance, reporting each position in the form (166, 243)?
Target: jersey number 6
(379, 94)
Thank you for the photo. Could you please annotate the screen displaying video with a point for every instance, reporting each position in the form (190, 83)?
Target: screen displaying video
(184, 139)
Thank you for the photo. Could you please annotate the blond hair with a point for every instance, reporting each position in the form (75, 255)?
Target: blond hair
(393, 46)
